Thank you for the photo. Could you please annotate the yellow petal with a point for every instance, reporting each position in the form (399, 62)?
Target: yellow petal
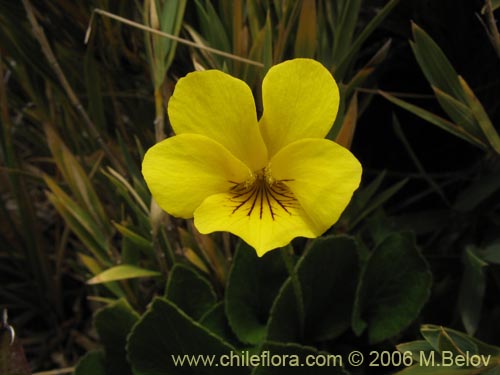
(256, 217)
(300, 100)
(220, 107)
(184, 170)
(322, 175)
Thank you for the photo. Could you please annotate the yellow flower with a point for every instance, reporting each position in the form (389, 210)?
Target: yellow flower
(266, 181)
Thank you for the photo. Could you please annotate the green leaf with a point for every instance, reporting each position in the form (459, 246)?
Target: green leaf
(113, 324)
(127, 191)
(491, 253)
(93, 85)
(379, 226)
(122, 272)
(212, 27)
(481, 116)
(192, 293)
(12, 358)
(432, 334)
(439, 339)
(434, 370)
(435, 120)
(477, 192)
(215, 320)
(253, 284)
(446, 344)
(339, 71)
(359, 78)
(472, 291)
(416, 348)
(92, 363)
(294, 358)
(365, 195)
(77, 180)
(327, 274)
(94, 267)
(136, 239)
(165, 333)
(495, 4)
(80, 221)
(346, 20)
(267, 49)
(493, 371)
(172, 15)
(346, 131)
(366, 203)
(458, 112)
(166, 16)
(394, 286)
(305, 41)
(413, 156)
(435, 65)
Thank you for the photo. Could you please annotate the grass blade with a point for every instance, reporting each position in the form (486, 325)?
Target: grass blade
(346, 132)
(122, 272)
(436, 120)
(459, 112)
(481, 116)
(435, 65)
(342, 66)
(305, 41)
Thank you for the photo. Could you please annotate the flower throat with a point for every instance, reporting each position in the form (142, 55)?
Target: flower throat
(263, 195)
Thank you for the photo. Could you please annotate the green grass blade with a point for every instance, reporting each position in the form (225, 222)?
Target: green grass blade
(76, 178)
(268, 50)
(436, 120)
(458, 112)
(95, 268)
(495, 4)
(79, 220)
(140, 242)
(433, 185)
(211, 26)
(435, 65)
(171, 22)
(481, 116)
(121, 180)
(340, 69)
(378, 201)
(305, 41)
(347, 17)
(122, 272)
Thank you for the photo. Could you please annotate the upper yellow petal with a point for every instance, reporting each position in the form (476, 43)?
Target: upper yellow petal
(322, 175)
(184, 170)
(214, 104)
(300, 99)
(252, 221)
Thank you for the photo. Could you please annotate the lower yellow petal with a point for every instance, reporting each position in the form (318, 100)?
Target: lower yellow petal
(266, 217)
(322, 175)
(184, 170)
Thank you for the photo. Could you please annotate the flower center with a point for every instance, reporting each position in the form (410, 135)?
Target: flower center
(263, 195)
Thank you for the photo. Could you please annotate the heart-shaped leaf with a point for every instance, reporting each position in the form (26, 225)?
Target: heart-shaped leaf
(166, 341)
(252, 286)
(113, 324)
(394, 286)
(190, 291)
(92, 363)
(327, 276)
